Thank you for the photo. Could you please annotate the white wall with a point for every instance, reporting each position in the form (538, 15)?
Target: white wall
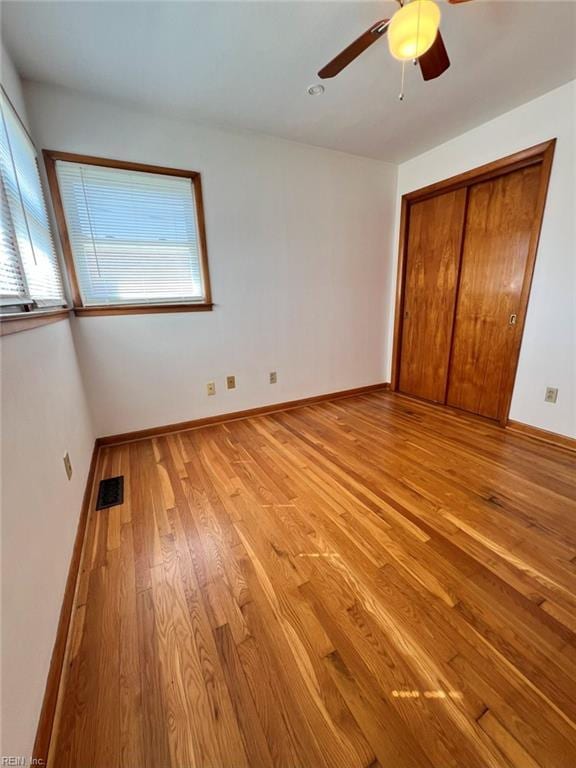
(11, 82)
(43, 415)
(298, 244)
(548, 354)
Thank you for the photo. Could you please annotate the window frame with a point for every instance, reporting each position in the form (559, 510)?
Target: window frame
(50, 158)
(32, 315)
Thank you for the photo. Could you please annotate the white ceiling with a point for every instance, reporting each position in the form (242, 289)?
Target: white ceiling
(247, 64)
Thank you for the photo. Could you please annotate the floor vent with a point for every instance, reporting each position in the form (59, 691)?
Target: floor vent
(110, 492)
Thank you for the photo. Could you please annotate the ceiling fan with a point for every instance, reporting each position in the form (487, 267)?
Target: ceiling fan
(413, 34)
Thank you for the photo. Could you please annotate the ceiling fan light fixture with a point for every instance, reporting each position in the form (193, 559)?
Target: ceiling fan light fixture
(413, 29)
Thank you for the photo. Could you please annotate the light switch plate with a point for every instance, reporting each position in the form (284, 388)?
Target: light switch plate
(211, 388)
(231, 382)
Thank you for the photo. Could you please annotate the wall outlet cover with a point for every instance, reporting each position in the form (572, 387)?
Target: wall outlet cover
(273, 377)
(211, 388)
(231, 382)
(551, 395)
(68, 466)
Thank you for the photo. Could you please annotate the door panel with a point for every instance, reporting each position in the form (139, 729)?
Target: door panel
(499, 223)
(432, 259)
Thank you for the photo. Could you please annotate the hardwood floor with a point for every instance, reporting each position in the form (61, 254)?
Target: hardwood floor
(368, 582)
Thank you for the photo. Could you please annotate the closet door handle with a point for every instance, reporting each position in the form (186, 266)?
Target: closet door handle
(512, 319)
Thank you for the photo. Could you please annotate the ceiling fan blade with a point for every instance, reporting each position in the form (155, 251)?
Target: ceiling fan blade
(435, 61)
(354, 50)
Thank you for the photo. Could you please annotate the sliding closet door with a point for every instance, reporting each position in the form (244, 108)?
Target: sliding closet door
(499, 224)
(432, 258)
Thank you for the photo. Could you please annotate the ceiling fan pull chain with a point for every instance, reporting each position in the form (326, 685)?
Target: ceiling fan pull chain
(401, 94)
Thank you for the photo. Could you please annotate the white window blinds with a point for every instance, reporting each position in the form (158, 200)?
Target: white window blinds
(29, 270)
(134, 235)
(12, 283)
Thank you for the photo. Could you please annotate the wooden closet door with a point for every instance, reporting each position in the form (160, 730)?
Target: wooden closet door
(432, 261)
(499, 225)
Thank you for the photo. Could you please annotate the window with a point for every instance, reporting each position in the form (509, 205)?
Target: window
(29, 272)
(133, 235)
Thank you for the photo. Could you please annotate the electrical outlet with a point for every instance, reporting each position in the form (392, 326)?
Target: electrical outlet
(211, 388)
(231, 382)
(273, 377)
(68, 466)
(551, 394)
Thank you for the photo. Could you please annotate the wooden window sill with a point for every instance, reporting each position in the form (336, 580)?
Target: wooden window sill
(142, 309)
(26, 321)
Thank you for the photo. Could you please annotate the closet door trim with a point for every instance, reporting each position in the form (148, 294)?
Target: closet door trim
(541, 154)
